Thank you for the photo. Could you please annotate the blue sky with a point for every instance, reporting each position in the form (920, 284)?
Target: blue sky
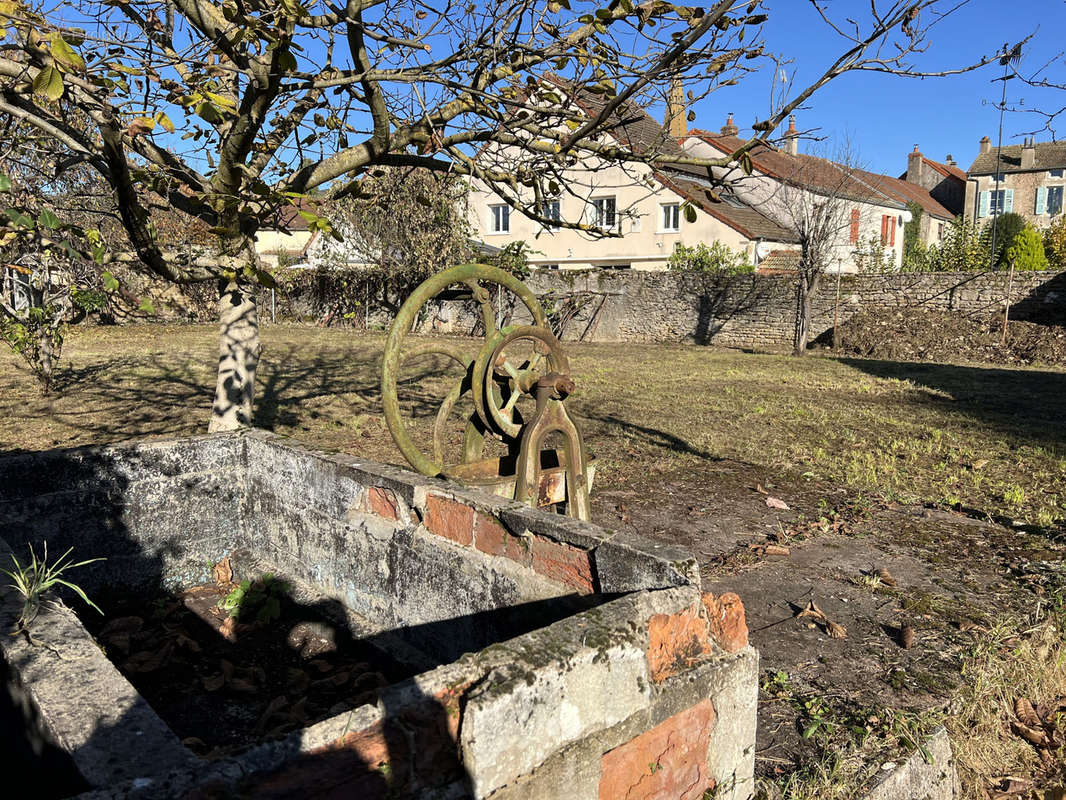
(885, 116)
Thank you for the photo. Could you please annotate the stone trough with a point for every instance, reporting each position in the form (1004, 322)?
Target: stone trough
(551, 658)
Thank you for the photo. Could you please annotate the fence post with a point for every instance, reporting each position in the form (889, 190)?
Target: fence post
(1006, 306)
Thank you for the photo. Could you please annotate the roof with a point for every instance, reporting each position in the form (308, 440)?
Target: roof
(820, 175)
(905, 192)
(1049, 155)
(634, 128)
(947, 170)
(742, 218)
(630, 124)
(780, 261)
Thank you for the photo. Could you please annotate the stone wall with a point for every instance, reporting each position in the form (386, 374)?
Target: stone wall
(552, 658)
(759, 310)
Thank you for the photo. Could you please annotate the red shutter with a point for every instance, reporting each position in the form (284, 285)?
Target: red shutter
(891, 231)
(854, 226)
(884, 230)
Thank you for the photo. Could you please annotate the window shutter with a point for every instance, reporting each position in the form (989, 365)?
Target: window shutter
(884, 229)
(1041, 200)
(1008, 201)
(854, 226)
(982, 210)
(891, 231)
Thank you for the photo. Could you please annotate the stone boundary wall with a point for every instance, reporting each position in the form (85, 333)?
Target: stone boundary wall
(759, 310)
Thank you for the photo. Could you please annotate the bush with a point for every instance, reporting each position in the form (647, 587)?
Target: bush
(1027, 250)
(718, 259)
(1008, 226)
(1055, 244)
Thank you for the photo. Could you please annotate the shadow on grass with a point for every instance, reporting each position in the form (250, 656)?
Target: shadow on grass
(648, 436)
(163, 394)
(1024, 404)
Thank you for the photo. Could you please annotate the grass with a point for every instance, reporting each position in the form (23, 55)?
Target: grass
(992, 441)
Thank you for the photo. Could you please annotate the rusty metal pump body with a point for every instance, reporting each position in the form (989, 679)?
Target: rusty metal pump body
(495, 381)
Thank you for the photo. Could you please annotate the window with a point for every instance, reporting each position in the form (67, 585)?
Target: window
(1054, 200)
(550, 210)
(888, 230)
(1057, 173)
(940, 232)
(605, 213)
(501, 219)
(671, 218)
(996, 203)
(854, 226)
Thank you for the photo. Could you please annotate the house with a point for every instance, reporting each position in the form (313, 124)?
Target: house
(944, 181)
(285, 239)
(641, 206)
(873, 208)
(1027, 178)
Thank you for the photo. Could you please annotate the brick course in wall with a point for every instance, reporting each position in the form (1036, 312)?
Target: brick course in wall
(759, 310)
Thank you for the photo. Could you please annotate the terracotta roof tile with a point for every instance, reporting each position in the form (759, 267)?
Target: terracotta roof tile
(741, 218)
(817, 174)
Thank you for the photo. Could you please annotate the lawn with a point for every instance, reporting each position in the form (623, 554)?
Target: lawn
(985, 440)
(688, 440)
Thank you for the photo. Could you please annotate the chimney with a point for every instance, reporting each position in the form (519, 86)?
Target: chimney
(986, 145)
(914, 166)
(950, 160)
(676, 122)
(1028, 154)
(792, 136)
(729, 129)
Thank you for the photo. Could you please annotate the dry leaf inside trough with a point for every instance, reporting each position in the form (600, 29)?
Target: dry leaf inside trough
(223, 572)
(776, 550)
(773, 502)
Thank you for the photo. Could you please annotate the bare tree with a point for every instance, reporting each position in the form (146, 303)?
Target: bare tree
(826, 203)
(228, 110)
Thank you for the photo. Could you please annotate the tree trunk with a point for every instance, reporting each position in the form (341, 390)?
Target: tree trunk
(45, 361)
(238, 357)
(805, 289)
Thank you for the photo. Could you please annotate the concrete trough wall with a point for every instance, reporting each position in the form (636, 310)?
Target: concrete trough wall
(559, 659)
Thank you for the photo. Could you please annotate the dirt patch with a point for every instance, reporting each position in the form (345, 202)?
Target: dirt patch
(228, 665)
(916, 591)
(915, 334)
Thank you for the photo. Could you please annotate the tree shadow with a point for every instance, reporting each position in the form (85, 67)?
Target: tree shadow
(719, 301)
(163, 513)
(1026, 405)
(650, 437)
(1044, 305)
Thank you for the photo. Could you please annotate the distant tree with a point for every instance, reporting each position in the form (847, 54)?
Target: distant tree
(400, 226)
(228, 112)
(1027, 250)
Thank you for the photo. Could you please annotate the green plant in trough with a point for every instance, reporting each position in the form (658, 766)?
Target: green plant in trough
(259, 599)
(37, 577)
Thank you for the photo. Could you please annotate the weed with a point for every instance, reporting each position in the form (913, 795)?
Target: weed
(259, 599)
(37, 577)
(1014, 495)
